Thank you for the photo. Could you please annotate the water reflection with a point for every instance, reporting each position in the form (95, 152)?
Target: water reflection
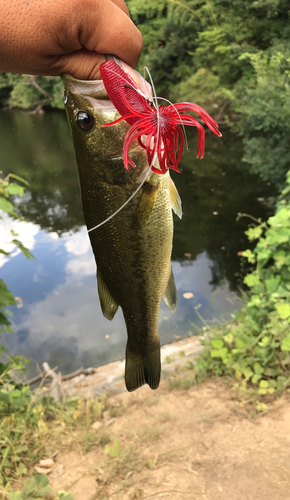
(61, 321)
(39, 149)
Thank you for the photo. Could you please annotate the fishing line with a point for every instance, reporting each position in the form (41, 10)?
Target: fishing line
(183, 127)
(153, 87)
(144, 175)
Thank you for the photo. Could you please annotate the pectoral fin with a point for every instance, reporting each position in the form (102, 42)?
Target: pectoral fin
(108, 304)
(146, 203)
(175, 199)
(170, 295)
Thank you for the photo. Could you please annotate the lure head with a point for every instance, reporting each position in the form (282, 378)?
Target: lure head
(99, 150)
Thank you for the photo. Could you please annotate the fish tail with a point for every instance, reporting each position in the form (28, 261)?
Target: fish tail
(142, 369)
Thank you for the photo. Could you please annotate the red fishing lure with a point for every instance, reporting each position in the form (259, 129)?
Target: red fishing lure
(139, 111)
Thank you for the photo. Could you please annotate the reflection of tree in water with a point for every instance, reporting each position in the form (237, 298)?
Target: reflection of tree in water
(220, 183)
(39, 149)
(213, 191)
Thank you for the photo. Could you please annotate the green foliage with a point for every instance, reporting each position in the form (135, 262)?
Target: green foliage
(29, 91)
(8, 189)
(28, 422)
(256, 346)
(113, 450)
(21, 418)
(230, 57)
(62, 495)
(265, 113)
(203, 88)
(36, 487)
(224, 53)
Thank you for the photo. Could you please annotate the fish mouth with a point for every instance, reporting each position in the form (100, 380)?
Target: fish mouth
(92, 88)
(71, 79)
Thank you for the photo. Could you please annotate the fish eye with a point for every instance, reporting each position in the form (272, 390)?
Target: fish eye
(85, 120)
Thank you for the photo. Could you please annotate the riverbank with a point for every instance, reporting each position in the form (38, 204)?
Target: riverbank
(109, 379)
(177, 445)
(182, 441)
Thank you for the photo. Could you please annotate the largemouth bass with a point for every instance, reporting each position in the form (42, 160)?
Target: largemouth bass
(133, 248)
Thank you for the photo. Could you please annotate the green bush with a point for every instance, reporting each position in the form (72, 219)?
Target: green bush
(265, 113)
(30, 92)
(255, 347)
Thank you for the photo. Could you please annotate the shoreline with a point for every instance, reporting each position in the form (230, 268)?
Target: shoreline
(109, 379)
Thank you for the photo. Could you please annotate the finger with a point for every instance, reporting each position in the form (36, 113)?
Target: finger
(121, 4)
(82, 64)
(115, 33)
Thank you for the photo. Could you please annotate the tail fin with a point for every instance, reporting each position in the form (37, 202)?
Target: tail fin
(142, 370)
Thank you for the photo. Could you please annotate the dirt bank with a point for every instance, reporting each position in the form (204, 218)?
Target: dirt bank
(194, 444)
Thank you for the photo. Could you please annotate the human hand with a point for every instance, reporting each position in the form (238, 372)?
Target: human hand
(52, 37)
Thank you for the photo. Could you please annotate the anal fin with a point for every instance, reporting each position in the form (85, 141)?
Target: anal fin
(175, 199)
(108, 304)
(170, 295)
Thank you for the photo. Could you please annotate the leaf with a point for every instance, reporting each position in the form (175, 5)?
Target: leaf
(29, 486)
(24, 250)
(256, 377)
(264, 342)
(62, 495)
(6, 297)
(285, 344)
(113, 450)
(272, 284)
(3, 319)
(15, 495)
(6, 206)
(42, 484)
(219, 353)
(247, 372)
(21, 469)
(229, 338)
(261, 406)
(249, 255)
(217, 343)
(283, 310)
(262, 391)
(252, 279)
(258, 368)
(255, 301)
(254, 233)
(13, 189)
